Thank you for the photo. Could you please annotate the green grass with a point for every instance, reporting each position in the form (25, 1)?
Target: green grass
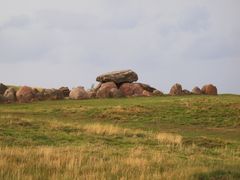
(129, 138)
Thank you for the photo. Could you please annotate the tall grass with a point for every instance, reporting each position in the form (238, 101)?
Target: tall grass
(103, 162)
(168, 138)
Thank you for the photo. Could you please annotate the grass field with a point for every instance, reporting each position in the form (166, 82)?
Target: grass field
(185, 137)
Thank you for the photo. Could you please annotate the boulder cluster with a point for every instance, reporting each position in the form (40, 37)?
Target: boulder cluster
(115, 84)
(27, 94)
(122, 84)
(208, 89)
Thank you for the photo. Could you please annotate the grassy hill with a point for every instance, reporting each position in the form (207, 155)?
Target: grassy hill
(185, 137)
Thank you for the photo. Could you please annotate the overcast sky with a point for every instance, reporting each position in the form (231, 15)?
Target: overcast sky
(53, 43)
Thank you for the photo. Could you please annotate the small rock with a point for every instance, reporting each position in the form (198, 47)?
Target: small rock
(176, 90)
(78, 93)
(209, 89)
(186, 92)
(38, 95)
(10, 95)
(157, 93)
(196, 90)
(65, 91)
(52, 94)
(25, 94)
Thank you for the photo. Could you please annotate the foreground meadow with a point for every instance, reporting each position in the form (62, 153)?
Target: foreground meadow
(188, 137)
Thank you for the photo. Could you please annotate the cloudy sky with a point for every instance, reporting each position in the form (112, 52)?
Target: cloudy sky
(53, 43)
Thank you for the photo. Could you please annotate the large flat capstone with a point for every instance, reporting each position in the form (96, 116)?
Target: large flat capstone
(125, 76)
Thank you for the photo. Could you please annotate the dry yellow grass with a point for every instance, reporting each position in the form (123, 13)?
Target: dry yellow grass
(104, 129)
(113, 130)
(98, 128)
(108, 129)
(91, 162)
(168, 138)
(131, 110)
(120, 112)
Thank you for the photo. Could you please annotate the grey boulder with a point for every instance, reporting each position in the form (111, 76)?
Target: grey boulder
(125, 76)
(196, 90)
(52, 94)
(65, 91)
(10, 95)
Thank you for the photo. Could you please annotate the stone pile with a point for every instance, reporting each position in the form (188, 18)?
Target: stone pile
(27, 94)
(115, 84)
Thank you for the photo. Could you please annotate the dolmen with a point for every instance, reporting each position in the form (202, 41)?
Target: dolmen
(122, 84)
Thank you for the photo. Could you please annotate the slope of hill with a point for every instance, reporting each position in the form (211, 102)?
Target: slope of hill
(184, 137)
